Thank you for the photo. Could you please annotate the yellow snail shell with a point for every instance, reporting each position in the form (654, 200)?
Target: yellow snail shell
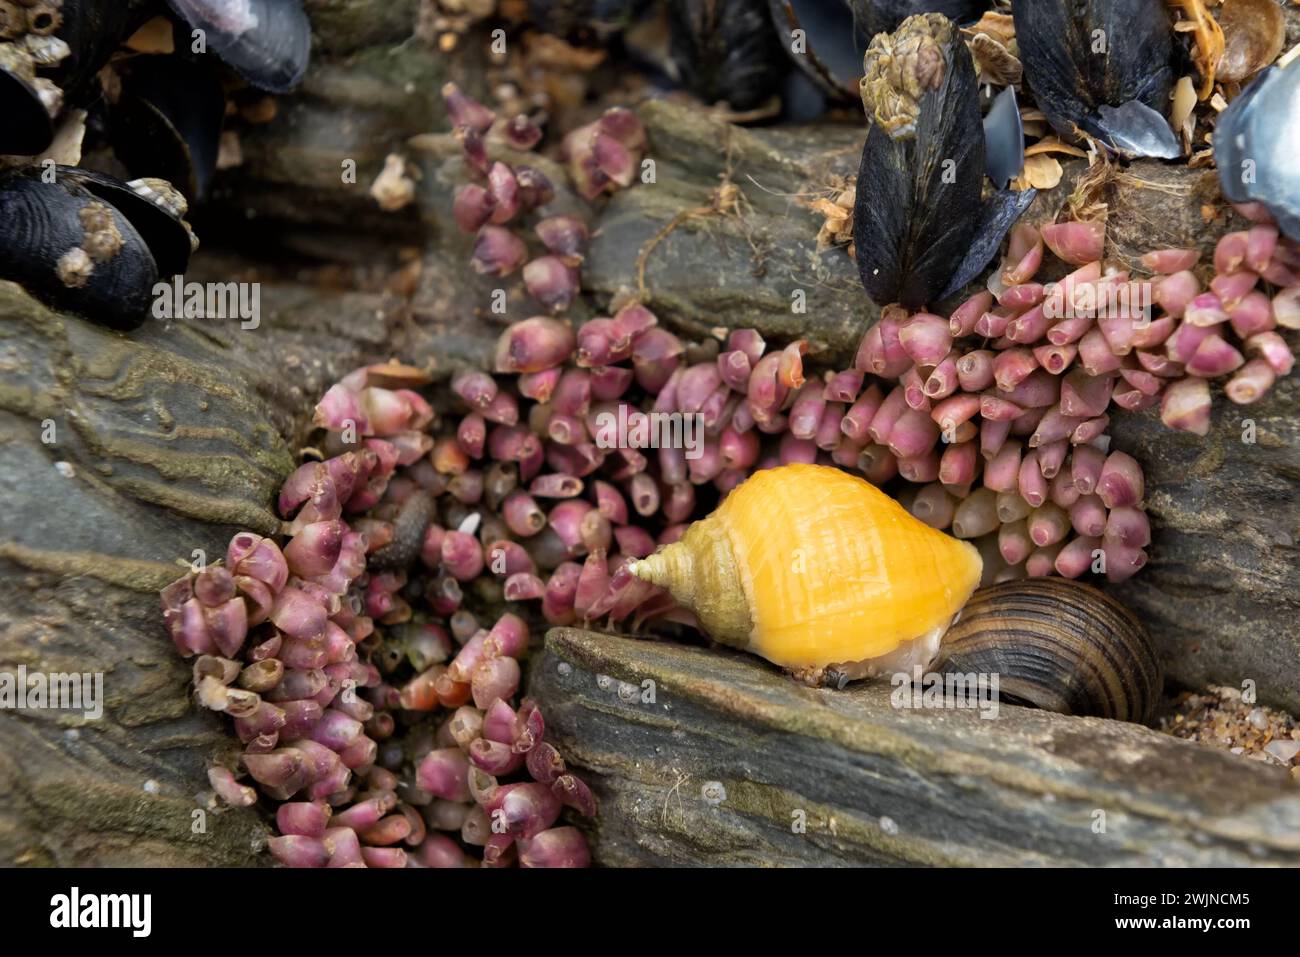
(814, 569)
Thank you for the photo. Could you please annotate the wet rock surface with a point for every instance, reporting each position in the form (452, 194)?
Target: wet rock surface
(705, 756)
(123, 455)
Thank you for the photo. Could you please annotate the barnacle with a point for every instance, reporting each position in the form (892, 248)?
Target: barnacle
(902, 68)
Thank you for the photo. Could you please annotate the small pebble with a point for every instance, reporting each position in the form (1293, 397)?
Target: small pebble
(1284, 751)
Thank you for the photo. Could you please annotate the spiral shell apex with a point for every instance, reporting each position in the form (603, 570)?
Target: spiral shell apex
(814, 569)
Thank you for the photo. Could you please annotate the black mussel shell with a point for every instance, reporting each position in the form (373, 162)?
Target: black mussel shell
(886, 16)
(267, 42)
(922, 171)
(167, 122)
(92, 30)
(726, 50)
(1104, 66)
(27, 128)
(74, 251)
(1256, 142)
(600, 18)
(996, 217)
(832, 47)
(149, 208)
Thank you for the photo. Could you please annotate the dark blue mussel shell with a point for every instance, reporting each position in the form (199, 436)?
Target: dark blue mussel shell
(28, 128)
(167, 121)
(1104, 66)
(1257, 143)
(43, 224)
(45, 220)
(267, 42)
(726, 50)
(833, 43)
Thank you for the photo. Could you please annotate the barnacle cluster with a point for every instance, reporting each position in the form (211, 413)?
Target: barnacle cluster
(900, 68)
(330, 707)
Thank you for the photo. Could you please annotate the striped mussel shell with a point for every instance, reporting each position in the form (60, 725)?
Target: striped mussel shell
(1059, 645)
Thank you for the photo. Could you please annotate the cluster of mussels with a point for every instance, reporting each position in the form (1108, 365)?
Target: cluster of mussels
(86, 242)
(64, 53)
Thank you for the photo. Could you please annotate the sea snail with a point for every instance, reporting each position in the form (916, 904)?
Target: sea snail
(820, 572)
